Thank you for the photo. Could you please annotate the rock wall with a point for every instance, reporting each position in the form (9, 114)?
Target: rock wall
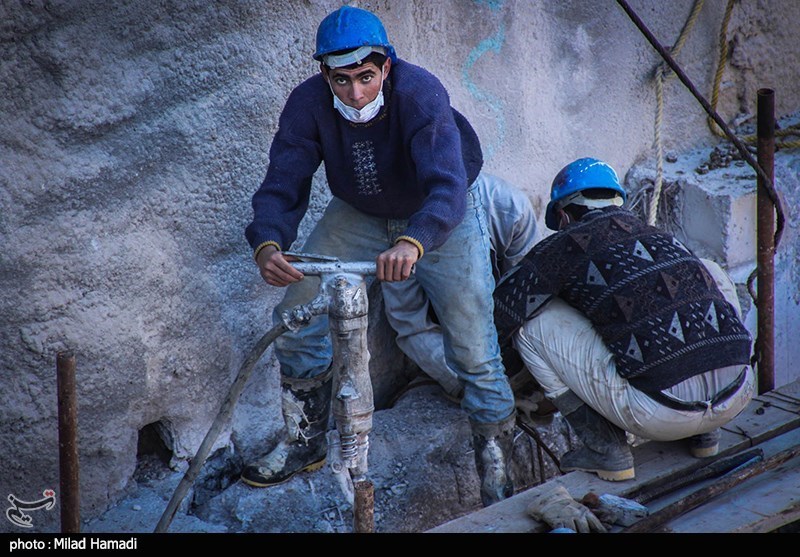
(132, 135)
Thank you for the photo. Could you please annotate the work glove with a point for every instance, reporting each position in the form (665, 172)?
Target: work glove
(555, 507)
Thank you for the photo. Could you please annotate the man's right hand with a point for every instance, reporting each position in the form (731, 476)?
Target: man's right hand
(275, 268)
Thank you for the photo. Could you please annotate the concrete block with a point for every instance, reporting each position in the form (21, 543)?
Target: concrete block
(712, 204)
(720, 219)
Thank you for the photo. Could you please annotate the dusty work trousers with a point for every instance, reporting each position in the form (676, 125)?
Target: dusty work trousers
(456, 278)
(512, 230)
(564, 352)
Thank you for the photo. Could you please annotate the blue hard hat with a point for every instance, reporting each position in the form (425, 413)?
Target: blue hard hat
(349, 28)
(579, 175)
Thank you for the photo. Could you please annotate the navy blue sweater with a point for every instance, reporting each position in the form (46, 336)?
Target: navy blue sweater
(413, 161)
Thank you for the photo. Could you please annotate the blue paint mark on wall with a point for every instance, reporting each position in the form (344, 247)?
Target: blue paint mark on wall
(490, 44)
(493, 5)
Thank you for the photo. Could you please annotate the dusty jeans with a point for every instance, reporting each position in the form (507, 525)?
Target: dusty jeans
(456, 278)
(512, 233)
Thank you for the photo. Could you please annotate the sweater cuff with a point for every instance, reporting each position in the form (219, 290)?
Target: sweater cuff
(262, 245)
(413, 241)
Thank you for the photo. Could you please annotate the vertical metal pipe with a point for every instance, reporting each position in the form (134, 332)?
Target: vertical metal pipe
(364, 507)
(68, 443)
(352, 404)
(766, 244)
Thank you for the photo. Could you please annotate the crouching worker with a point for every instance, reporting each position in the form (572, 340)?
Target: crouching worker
(624, 328)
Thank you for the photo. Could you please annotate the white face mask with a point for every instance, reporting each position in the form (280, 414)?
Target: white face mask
(355, 115)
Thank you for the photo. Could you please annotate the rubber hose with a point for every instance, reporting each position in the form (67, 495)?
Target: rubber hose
(219, 422)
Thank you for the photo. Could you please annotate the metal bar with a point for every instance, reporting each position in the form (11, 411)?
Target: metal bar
(540, 442)
(783, 397)
(694, 500)
(766, 246)
(364, 507)
(540, 457)
(69, 477)
(336, 267)
(740, 146)
(713, 470)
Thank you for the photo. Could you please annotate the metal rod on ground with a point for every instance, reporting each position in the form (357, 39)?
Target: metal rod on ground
(364, 507)
(766, 246)
(69, 477)
(539, 442)
(219, 422)
(540, 457)
(646, 493)
(694, 500)
(740, 146)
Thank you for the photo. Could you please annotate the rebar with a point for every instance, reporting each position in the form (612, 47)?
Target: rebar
(69, 476)
(765, 342)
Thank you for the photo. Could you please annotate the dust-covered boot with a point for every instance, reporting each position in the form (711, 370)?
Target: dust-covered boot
(306, 407)
(705, 444)
(605, 449)
(494, 444)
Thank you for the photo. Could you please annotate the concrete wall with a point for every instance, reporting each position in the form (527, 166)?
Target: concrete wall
(133, 133)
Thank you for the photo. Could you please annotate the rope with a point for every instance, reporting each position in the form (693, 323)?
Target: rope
(732, 137)
(749, 139)
(721, 63)
(662, 73)
(793, 130)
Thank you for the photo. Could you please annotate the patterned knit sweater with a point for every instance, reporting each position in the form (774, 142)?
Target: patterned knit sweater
(651, 300)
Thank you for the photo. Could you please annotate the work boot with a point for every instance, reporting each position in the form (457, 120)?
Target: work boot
(306, 407)
(705, 444)
(493, 444)
(605, 448)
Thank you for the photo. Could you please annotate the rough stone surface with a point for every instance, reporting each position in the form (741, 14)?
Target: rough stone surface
(132, 135)
(421, 464)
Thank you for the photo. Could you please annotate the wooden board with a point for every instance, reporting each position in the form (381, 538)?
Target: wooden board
(761, 504)
(766, 417)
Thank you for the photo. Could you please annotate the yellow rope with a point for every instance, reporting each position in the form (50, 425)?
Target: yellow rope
(663, 72)
(723, 57)
(721, 65)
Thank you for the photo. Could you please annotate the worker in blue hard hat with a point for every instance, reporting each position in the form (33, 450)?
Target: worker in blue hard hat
(402, 165)
(624, 328)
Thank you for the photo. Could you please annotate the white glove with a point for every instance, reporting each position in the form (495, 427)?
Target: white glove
(556, 507)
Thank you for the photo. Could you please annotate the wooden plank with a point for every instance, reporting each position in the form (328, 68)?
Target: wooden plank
(767, 416)
(762, 504)
(772, 523)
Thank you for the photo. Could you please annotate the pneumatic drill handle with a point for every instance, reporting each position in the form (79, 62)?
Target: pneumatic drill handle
(362, 268)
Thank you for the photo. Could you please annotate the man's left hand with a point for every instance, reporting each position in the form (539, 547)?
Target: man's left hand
(395, 264)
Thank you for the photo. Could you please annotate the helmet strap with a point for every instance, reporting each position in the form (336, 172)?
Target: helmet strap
(564, 218)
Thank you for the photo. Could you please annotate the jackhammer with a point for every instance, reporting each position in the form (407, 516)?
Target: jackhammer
(352, 404)
(343, 296)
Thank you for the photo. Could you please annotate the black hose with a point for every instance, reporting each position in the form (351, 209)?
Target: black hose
(222, 418)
